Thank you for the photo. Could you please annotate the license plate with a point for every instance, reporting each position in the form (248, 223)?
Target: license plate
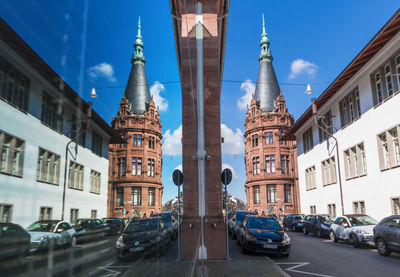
(270, 246)
(135, 249)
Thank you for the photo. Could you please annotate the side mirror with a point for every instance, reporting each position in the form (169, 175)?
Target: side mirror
(59, 230)
(346, 225)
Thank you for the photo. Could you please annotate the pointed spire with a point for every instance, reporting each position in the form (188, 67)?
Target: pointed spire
(138, 56)
(267, 87)
(265, 54)
(137, 89)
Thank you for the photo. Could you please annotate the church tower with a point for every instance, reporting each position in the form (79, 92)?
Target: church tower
(271, 171)
(135, 154)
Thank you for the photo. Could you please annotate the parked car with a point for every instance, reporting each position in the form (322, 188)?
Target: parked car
(387, 235)
(14, 241)
(235, 221)
(318, 224)
(90, 229)
(356, 229)
(143, 236)
(170, 221)
(263, 234)
(44, 230)
(115, 224)
(293, 222)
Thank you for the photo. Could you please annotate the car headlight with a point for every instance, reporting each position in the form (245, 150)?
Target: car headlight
(43, 238)
(251, 237)
(324, 227)
(286, 240)
(119, 243)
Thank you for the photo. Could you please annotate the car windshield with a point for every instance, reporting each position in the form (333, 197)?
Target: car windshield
(166, 217)
(362, 220)
(241, 215)
(325, 218)
(142, 226)
(81, 222)
(41, 227)
(298, 217)
(108, 220)
(263, 223)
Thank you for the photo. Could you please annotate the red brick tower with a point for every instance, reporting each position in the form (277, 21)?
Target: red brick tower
(135, 155)
(271, 171)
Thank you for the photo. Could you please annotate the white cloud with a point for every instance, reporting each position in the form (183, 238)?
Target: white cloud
(249, 88)
(160, 101)
(301, 66)
(234, 175)
(172, 142)
(233, 140)
(104, 70)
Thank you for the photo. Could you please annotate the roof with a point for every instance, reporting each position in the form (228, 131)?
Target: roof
(137, 90)
(267, 87)
(352, 215)
(15, 42)
(382, 37)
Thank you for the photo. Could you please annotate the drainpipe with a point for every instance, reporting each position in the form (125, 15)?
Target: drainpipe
(201, 153)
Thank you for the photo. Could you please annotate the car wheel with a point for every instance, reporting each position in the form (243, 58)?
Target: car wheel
(382, 247)
(319, 233)
(354, 241)
(332, 236)
(73, 241)
(305, 231)
(285, 255)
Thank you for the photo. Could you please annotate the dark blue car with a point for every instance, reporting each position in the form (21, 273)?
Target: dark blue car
(318, 224)
(236, 220)
(170, 220)
(263, 234)
(387, 235)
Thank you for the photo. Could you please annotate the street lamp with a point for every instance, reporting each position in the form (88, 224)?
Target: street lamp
(314, 110)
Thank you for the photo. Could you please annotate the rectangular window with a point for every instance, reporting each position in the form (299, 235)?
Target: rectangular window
(325, 124)
(75, 176)
(388, 79)
(328, 170)
(95, 178)
(52, 112)
(150, 167)
(97, 144)
(359, 207)
(78, 133)
(378, 88)
(256, 191)
(313, 210)
(271, 193)
(137, 140)
(288, 193)
(136, 196)
(310, 178)
(355, 161)
(269, 138)
(395, 204)
(152, 142)
(134, 166)
(93, 214)
(121, 167)
(389, 149)
(46, 213)
(12, 155)
(152, 192)
(350, 107)
(74, 215)
(48, 167)
(5, 213)
(397, 60)
(285, 164)
(120, 196)
(308, 142)
(270, 164)
(14, 86)
(332, 209)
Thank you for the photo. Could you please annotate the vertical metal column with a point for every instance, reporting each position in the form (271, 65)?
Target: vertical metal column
(201, 153)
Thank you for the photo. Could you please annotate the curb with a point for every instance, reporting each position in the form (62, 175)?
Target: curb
(284, 273)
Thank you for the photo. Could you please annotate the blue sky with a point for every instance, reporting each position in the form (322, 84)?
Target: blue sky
(90, 44)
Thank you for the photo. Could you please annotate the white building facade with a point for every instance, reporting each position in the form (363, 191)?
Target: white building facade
(361, 109)
(39, 115)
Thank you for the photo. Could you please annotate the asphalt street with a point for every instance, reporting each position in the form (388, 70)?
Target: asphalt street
(313, 256)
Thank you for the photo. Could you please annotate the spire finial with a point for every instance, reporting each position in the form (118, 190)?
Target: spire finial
(138, 56)
(263, 24)
(265, 54)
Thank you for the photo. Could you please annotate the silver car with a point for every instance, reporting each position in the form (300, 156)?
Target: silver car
(42, 232)
(356, 229)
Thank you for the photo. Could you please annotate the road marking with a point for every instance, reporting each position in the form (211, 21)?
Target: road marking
(112, 273)
(300, 264)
